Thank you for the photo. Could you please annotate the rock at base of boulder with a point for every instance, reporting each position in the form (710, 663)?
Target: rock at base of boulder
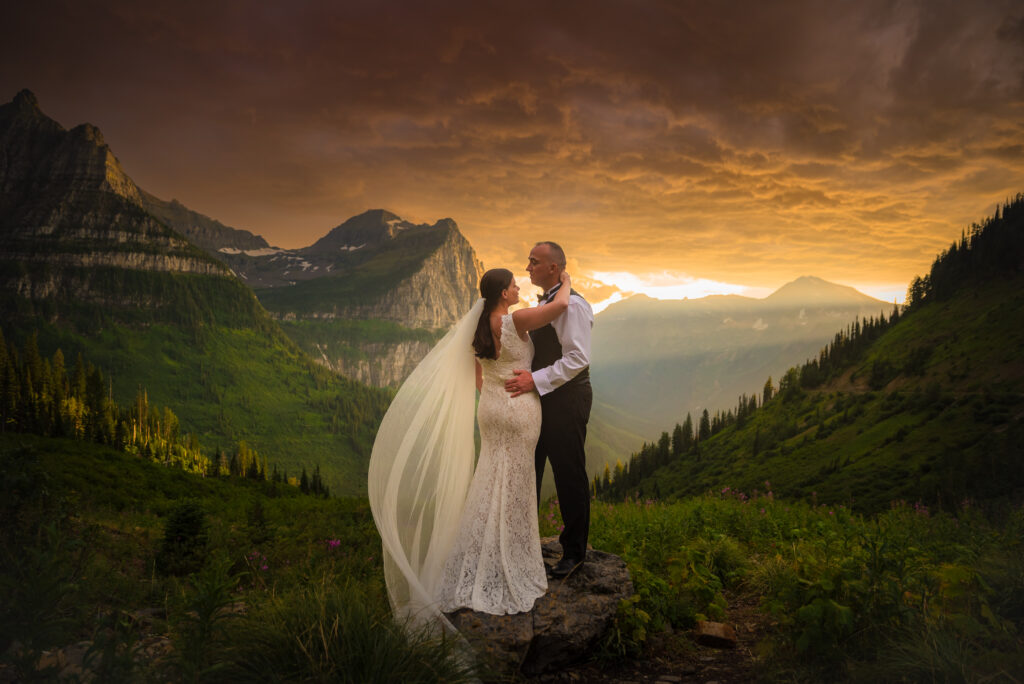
(716, 634)
(563, 625)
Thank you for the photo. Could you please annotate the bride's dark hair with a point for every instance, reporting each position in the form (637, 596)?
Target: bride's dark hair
(491, 286)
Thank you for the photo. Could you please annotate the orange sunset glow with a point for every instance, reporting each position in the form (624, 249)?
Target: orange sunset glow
(673, 148)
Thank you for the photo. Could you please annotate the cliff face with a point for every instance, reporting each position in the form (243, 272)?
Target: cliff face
(74, 231)
(379, 364)
(436, 293)
(379, 269)
(439, 293)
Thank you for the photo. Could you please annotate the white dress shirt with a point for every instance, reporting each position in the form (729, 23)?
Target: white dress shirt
(573, 330)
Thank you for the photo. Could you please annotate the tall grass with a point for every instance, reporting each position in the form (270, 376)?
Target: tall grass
(332, 631)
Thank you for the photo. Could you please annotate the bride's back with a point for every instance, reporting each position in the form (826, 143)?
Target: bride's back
(515, 354)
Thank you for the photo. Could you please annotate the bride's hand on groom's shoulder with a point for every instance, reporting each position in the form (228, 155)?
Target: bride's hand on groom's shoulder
(564, 279)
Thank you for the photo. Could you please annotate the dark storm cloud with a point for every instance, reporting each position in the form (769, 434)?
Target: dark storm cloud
(736, 140)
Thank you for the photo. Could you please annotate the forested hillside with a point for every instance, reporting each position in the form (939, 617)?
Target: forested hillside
(925, 404)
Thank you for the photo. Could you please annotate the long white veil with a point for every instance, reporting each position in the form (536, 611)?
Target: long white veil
(420, 470)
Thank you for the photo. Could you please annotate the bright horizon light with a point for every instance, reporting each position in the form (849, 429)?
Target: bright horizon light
(887, 293)
(669, 285)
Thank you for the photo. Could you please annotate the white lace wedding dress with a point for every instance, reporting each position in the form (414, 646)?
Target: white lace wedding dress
(496, 565)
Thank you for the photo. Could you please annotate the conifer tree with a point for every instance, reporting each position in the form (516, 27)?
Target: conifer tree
(687, 433)
(705, 426)
(663, 450)
(677, 440)
(316, 486)
(78, 378)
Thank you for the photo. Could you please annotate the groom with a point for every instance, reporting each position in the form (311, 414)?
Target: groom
(561, 375)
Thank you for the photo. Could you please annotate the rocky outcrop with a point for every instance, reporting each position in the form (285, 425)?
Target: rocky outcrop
(133, 260)
(380, 364)
(564, 624)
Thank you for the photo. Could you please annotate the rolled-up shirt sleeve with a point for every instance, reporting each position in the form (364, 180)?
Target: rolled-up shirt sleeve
(573, 329)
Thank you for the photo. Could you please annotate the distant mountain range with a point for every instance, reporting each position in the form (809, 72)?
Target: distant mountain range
(654, 361)
(926, 408)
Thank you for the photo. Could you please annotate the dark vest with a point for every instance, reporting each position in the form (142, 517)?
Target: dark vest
(547, 349)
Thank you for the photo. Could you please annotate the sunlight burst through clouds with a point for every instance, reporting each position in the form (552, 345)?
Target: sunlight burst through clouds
(666, 285)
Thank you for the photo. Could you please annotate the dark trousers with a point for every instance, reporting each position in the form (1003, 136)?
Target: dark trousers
(563, 431)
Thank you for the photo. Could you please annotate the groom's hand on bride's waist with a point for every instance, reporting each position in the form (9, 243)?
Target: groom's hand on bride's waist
(521, 383)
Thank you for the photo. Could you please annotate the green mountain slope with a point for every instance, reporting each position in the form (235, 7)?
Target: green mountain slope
(932, 410)
(232, 384)
(86, 266)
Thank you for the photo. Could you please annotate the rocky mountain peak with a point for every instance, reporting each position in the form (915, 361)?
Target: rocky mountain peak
(368, 229)
(25, 101)
(22, 114)
(89, 133)
(36, 152)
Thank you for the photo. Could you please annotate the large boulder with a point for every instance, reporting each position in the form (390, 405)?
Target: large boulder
(564, 624)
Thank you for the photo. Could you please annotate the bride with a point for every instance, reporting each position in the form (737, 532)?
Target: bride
(451, 538)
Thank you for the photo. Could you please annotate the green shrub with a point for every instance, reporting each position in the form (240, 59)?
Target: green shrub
(199, 632)
(183, 547)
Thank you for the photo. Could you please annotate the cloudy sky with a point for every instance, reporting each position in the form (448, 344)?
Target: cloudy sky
(688, 146)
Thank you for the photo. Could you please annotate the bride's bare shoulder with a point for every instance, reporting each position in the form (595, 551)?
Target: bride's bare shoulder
(496, 323)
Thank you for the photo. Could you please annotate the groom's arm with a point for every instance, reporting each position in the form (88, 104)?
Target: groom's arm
(573, 329)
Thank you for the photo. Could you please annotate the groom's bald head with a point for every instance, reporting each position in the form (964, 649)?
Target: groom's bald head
(547, 261)
(556, 252)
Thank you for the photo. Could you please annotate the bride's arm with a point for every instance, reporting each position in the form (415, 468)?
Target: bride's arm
(526, 320)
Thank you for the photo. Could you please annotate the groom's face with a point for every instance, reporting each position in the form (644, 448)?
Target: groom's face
(542, 269)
